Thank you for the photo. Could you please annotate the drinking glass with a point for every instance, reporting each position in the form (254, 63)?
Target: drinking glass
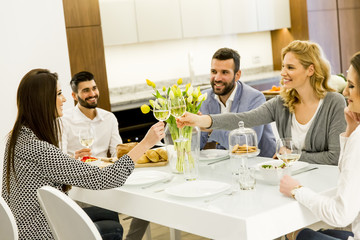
(87, 136)
(177, 106)
(287, 150)
(161, 109)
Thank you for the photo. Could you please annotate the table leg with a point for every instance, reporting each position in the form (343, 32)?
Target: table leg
(175, 234)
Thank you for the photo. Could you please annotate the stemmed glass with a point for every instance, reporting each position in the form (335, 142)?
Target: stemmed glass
(86, 136)
(287, 150)
(161, 109)
(177, 106)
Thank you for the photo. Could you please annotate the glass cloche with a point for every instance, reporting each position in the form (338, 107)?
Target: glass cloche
(243, 142)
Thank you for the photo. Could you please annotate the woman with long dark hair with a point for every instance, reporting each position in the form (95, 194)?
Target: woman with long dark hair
(33, 158)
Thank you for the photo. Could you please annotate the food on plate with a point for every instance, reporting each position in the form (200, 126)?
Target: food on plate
(274, 88)
(269, 166)
(88, 159)
(162, 153)
(239, 149)
(124, 148)
(153, 155)
(143, 159)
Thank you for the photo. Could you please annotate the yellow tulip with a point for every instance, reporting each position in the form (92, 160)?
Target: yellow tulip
(164, 88)
(149, 83)
(171, 95)
(145, 109)
(180, 81)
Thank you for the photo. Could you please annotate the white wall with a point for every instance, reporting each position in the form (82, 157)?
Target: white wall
(165, 60)
(33, 35)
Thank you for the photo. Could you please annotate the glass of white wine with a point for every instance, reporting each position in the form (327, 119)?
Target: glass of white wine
(287, 150)
(177, 106)
(87, 136)
(161, 109)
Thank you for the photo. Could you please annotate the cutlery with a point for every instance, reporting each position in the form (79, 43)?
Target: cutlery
(218, 161)
(220, 195)
(303, 170)
(163, 182)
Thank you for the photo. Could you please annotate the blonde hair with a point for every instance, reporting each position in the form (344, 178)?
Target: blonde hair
(308, 53)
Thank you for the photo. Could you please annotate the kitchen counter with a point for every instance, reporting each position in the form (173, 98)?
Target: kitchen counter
(130, 97)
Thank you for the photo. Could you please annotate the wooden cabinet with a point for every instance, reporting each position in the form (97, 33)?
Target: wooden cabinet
(158, 20)
(273, 14)
(200, 18)
(118, 22)
(334, 25)
(238, 16)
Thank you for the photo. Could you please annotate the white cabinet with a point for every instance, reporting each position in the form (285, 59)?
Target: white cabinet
(200, 18)
(158, 20)
(118, 21)
(238, 16)
(273, 14)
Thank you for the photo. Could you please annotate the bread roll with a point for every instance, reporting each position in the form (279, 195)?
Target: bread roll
(124, 148)
(162, 153)
(153, 155)
(143, 159)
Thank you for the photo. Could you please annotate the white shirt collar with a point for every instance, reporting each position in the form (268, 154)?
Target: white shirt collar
(227, 108)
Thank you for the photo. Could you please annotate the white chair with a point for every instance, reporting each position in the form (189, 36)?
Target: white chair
(8, 227)
(66, 219)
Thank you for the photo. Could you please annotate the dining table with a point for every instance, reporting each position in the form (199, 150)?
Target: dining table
(218, 209)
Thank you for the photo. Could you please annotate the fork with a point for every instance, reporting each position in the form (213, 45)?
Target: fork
(221, 195)
(152, 184)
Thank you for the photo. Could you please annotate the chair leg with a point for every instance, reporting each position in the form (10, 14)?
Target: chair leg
(175, 234)
(148, 233)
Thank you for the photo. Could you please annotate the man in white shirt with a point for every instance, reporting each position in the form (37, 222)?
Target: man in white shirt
(105, 125)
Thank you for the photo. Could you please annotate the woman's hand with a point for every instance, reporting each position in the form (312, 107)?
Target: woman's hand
(190, 119)
(82, 153)
(287, 184)
(153, 136)
(352, 120)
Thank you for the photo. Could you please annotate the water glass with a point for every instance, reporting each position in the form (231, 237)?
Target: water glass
(247, 180)
(191, 169)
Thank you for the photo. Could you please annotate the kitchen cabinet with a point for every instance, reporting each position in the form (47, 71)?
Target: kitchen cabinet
(333, 24)
(238, 16)
(273, 14)
(118, 22)
(158, 20)
(200, 18)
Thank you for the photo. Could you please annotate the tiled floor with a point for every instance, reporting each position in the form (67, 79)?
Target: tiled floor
(158, 232)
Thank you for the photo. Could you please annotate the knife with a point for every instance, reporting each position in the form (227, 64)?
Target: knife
(303, 170)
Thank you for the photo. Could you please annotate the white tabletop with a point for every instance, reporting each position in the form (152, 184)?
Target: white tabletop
(263, 213)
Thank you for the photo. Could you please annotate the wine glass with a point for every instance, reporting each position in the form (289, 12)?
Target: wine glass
(177, 107)
(287, 150)
(161, 109)
(86, 136)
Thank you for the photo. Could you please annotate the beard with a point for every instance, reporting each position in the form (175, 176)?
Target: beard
(85, 104)
(228, 87)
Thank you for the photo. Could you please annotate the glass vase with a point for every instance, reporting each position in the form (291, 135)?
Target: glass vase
(183, 155)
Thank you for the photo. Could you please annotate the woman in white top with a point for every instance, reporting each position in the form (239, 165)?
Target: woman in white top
(342, 208)
(307, 108)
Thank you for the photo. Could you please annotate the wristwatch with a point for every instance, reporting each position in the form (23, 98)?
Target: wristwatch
(293, 191)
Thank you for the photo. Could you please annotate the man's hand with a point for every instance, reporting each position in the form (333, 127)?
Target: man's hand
(82, 153)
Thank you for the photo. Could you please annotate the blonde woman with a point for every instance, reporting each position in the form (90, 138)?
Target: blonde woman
(307, 109)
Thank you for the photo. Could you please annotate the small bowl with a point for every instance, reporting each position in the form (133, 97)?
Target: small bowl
(273, 172)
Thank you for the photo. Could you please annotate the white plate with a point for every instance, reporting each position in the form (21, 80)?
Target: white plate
(213, 154)
(146, 177)
(294, 167)
(199, 188)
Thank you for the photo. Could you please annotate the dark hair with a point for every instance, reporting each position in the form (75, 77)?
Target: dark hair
(228, 53)
(36, 103)
(80, 77)
(355, 62)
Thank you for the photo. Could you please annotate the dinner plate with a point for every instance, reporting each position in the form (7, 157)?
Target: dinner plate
(213, 154)
(146, 177)
(294, 167)
(198, 188)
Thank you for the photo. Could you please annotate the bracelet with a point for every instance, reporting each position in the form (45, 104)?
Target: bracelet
(293, 191)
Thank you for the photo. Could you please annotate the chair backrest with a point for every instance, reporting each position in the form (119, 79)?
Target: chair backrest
(8, 227)
(66, 218)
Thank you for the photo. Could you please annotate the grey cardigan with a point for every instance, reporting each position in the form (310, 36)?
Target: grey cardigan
(322, 139)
